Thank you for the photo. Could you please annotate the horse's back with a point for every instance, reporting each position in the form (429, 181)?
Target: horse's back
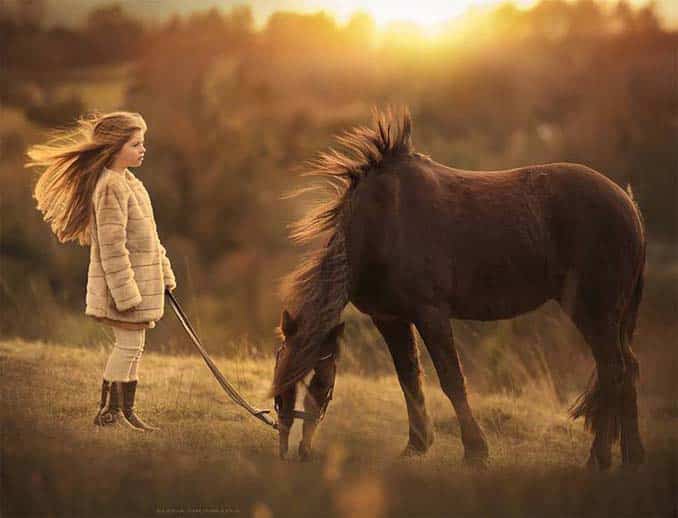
(567, 211)
(490, 244)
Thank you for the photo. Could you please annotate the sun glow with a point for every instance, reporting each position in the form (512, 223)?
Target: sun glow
(430, 16)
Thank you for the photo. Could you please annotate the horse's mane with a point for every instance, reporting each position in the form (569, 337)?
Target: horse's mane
(317, 290)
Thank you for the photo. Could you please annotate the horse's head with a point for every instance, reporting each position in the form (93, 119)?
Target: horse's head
(294, 359)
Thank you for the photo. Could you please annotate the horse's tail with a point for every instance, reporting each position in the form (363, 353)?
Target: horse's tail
(590, 402)
(628, 323)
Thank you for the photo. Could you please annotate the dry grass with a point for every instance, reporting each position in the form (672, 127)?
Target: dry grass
(212, 459)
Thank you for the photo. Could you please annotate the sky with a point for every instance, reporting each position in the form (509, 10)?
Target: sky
(426, 13)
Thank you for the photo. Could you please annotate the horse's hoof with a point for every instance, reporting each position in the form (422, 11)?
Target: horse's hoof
(633, 454)
(476, 460)
(305, 454)
(282, 453)
(629, 468)
(476, 452)
(477, 456)
(409, 451)
(412, 451)
(595, 464)
(591, 462)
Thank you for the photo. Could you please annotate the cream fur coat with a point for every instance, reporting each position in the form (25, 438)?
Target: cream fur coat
(129, 268)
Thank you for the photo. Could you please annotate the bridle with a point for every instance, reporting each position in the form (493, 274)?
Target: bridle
(261, 414)
(314, 417)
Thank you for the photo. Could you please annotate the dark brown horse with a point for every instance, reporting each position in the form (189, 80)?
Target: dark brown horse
(413, 242)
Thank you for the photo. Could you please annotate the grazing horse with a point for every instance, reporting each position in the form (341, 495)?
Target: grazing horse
(412, 242)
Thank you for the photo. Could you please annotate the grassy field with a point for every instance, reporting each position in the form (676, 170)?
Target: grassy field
(212, 459)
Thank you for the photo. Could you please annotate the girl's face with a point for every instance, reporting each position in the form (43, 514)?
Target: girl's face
(132, 153)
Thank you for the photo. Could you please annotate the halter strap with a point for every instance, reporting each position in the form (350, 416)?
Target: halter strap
(302, 414)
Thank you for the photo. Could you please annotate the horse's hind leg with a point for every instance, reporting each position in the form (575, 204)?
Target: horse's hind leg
(316, 400)
(399, 338)
(434, 326)
(602, 403)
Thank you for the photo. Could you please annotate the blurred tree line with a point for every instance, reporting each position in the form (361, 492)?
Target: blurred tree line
(233, 111)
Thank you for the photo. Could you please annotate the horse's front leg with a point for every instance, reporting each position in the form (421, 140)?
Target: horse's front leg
(316, 400)
(284, 405)
(434, 326)
(399, 337)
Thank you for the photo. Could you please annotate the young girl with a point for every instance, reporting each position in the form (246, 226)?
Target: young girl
(87, 193)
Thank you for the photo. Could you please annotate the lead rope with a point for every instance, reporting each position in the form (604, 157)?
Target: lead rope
(262, 415)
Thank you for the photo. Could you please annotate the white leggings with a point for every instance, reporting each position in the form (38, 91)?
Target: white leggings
(124, 360)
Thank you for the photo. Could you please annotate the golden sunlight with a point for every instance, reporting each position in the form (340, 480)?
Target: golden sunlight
(429, 15)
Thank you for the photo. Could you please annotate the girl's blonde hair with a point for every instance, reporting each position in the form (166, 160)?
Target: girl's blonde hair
(74, 159)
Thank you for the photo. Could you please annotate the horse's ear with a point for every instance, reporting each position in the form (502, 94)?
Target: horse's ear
(287, 324)
(336, 332)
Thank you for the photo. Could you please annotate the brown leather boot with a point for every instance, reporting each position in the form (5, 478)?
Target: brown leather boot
(110, 412)
(105, 389)
(129, 389)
